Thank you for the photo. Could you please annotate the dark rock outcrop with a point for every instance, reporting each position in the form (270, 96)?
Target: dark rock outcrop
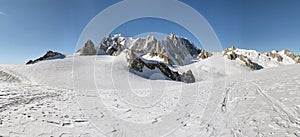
(137, 63)
(188, 77)
(231, 54)
(50, 55)
(248, 62)
(112, 45)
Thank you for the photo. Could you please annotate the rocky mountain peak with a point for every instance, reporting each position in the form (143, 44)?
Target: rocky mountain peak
(172, 36)
(233, 48)
(88, 49)
(48, 56)
(173, 49)
(204, 54)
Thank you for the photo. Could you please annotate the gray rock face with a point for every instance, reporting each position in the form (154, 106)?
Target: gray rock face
(112, 45)
(174, 50)
(48, 56)
(88, 49)
(137, 63)
(188, 77)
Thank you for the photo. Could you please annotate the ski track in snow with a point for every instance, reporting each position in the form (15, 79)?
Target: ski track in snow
(255, 104)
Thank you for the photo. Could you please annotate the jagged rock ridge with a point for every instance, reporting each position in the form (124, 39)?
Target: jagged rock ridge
(262, 60)
(231, 54)
(48, 56)
(173, 50)
(292, 55)
(137, 64)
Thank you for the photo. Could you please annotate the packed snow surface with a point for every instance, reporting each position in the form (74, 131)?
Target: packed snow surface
(98, 96)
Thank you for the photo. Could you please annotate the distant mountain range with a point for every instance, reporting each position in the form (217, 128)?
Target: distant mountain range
(164, 56)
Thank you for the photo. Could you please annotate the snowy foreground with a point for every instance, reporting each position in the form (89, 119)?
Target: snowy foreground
(97, 96)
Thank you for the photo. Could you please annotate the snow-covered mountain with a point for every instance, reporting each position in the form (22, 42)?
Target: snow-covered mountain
(173, 50)
(125, 87)
(176, 52)
(262, 60)
(98, 96)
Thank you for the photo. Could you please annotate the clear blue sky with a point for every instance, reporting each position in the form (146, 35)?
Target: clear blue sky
(28, 28)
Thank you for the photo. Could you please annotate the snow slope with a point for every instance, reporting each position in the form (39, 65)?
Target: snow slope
(98, 96)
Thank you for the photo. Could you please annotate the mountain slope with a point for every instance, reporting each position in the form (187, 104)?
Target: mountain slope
(247, 104)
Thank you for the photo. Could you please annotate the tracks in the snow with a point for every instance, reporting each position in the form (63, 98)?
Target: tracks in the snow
(246, 94)
(280, 108)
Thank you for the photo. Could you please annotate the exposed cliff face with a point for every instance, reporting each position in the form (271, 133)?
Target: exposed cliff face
(204, 54)
(297, 59)
(247, 62)
(112, 45)
(231, 55)
(164, 55)
(137, 64)
(48, 56)
(173, 50)
(88, 49)
(292, 56)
